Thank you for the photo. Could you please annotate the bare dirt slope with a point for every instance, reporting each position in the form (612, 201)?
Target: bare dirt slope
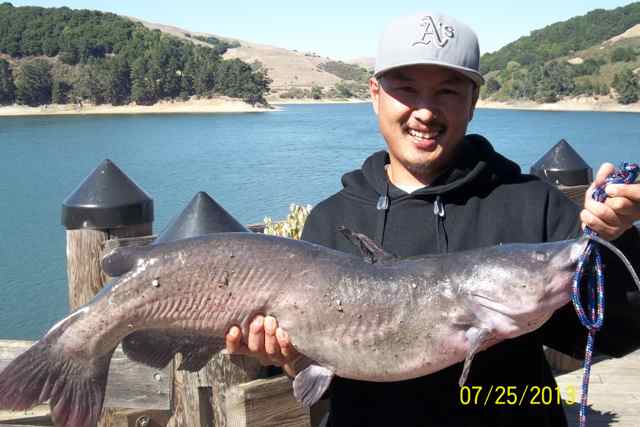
(287, 68)
(630, 33)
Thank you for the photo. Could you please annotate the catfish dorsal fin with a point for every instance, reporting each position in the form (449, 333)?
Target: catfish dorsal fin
(368, 248)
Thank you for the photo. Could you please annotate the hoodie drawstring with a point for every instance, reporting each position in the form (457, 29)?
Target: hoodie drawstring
(441, 231)
(383, 207)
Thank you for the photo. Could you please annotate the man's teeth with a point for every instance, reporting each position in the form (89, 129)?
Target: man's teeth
(424, 135)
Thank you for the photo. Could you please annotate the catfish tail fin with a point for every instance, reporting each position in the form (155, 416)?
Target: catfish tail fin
(75, 388)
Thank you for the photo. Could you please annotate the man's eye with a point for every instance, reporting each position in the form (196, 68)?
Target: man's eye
(449, 92)
(406, 89)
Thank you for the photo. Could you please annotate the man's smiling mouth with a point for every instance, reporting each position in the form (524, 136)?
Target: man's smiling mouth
(425, 136)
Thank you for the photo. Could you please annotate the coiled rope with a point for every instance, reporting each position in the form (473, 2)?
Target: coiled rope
(590, 269)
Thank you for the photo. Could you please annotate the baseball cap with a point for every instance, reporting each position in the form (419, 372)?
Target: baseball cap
(429, 39)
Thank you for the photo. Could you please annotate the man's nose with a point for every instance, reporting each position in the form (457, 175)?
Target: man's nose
(425, 110)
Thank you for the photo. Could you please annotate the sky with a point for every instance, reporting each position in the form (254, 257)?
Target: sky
(344, 29)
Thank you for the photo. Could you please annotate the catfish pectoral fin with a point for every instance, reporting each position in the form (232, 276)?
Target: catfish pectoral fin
(310, 384)
(477, 337)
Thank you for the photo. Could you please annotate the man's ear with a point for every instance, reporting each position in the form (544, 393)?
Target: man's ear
(374, 91)
(474, 99)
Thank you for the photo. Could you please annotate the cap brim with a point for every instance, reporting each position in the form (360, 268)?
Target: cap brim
(475, 76)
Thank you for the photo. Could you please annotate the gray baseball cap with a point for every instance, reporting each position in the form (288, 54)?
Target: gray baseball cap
(429, 39)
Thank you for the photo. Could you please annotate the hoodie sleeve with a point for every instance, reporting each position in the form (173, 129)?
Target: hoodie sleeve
(621, 331)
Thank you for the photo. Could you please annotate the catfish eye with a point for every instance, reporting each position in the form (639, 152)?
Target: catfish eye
(540, 256)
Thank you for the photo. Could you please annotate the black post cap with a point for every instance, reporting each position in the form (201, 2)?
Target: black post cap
(203, 215)
(107, 198)
(562, 165)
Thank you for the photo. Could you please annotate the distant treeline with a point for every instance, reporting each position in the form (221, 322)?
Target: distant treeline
(569, 59)
(562, 38)
(83, 55)
(556, 79)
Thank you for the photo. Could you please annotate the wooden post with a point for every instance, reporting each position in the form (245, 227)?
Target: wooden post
(198, 398)
(265, 403)
(106, 205)
(563, 167)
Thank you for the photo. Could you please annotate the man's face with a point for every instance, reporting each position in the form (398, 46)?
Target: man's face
(423, 112)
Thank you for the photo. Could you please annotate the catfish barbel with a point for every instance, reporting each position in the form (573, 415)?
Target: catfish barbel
(348, 317)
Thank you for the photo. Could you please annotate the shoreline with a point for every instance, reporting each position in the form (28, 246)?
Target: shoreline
(199, 106)
(230, 105)
(602, 104)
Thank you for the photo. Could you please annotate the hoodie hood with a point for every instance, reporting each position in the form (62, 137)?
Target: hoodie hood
(477, 163)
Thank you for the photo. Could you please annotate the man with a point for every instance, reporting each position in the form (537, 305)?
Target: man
(439, 190)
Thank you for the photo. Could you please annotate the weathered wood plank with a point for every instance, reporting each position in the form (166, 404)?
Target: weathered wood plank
(30, 421)
(263, 403)
(130, 385)
(38, 415)
(614, 392)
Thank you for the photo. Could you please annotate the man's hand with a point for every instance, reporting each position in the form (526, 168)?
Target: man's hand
(618, 213)
(266, 342)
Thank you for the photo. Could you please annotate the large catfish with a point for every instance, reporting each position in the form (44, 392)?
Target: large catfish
(374, 319)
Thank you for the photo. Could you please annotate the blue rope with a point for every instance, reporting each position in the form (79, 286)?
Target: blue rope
(591, 257)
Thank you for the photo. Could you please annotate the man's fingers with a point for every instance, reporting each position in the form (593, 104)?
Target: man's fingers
(233, 339)
(604, 212)
(605, 230)
(285, 345)
(623, 206)
(256, 335)
(271, 345)
(627, 191)
(605, 170)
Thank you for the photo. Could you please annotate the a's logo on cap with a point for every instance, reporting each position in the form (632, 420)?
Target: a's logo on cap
(430, 31)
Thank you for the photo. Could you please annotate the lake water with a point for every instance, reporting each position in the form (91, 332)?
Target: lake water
(254, 165)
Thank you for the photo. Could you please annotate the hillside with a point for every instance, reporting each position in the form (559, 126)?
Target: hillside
(65, 56)
(595, 55)
(293, 74)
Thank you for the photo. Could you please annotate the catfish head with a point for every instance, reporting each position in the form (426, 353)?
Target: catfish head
(514, 289)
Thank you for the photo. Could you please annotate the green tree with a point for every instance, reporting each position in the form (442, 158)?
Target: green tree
(7, 87)
(343, 90)
(493, 86)
(33, 83)
(60, 91)
(623, 54)
(118, 81)
(143, 89)
(587, 68)
(626, 85)
(237, 79)
(316, 92)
